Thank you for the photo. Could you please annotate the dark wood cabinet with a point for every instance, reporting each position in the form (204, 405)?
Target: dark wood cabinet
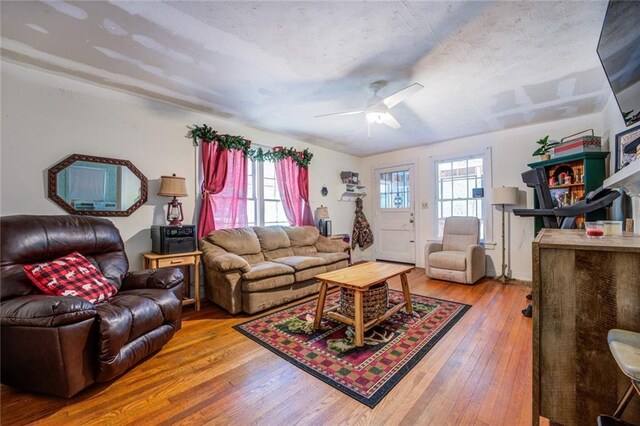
(586, 172)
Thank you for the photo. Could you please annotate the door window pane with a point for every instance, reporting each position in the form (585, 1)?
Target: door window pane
(395, 190)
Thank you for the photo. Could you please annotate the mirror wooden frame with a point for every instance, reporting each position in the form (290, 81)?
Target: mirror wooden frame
(62, 203)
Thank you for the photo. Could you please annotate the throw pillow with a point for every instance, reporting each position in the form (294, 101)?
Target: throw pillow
(71, 275)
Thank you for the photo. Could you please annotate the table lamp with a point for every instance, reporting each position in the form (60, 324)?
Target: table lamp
(173, 186)
(504, 196)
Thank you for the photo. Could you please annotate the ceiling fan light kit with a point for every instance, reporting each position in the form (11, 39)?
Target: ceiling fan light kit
(377, 110)
(375, 117)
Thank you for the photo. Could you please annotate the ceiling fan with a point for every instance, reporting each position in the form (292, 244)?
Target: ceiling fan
(377, 109)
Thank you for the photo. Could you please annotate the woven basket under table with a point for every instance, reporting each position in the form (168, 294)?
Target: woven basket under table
(374, 301)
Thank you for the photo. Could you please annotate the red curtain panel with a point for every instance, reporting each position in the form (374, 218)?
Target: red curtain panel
(303, 185)
(214, 171)
(230, 204)
(287, 173)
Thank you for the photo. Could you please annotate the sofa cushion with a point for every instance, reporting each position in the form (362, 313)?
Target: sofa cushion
(300, 263)
(266, 270)
(275, 254)
(272, 237)
(131, 314)
(267, 283)
(310, 273)
(335, 266)
(302, 235)
(454, 260)
(256, 301)
(332, 257)
(304, 251)
(132, 325)
(236, 240)
(71, 275)
(460, 233)
(253, 258)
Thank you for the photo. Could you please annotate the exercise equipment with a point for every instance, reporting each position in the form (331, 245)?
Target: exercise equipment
(560, 217)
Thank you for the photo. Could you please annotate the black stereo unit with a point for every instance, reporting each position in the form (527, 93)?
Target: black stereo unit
(167, 239)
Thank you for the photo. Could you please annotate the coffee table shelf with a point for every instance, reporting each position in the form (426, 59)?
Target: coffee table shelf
(334, 315)
(360, 278)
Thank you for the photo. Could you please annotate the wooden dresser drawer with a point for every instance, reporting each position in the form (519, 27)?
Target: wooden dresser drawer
(176, 261)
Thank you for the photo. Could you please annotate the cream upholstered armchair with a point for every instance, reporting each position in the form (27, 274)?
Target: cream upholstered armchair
(458, 257)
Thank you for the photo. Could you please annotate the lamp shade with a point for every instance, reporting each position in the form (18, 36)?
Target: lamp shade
(173, 186)
(322, 213)
(505, 195)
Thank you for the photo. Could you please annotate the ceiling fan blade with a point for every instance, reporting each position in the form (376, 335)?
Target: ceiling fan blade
(339, 113)
(390, 121)
(401, 95)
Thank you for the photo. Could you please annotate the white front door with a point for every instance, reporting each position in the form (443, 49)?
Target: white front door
(394, 214)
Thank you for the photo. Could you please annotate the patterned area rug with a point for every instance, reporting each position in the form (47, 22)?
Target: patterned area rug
(366, 374)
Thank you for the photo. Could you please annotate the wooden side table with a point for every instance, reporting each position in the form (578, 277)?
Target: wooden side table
(185, 260)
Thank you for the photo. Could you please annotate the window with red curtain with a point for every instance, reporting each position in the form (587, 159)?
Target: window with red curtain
(238, 192)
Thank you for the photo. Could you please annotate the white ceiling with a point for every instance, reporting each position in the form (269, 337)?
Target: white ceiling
(485, 66)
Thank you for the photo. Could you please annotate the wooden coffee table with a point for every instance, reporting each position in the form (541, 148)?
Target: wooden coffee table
(359, 278)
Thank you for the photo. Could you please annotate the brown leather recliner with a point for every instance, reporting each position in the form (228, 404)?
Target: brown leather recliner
(60, 345)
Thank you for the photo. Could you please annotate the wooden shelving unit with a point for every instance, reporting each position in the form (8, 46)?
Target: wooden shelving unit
(587, 171)
(572, 185)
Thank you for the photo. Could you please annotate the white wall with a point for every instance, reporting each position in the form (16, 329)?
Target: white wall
(612, 123)
(46, 117)
(511, 152)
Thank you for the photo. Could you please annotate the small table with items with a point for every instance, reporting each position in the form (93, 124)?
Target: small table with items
(361, 278)
(155, 261)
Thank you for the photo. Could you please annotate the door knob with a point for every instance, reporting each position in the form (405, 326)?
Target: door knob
(411, 220)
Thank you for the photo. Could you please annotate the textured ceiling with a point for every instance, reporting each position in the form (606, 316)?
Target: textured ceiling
(485, 66)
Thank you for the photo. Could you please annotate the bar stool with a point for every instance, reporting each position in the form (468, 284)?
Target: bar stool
(625, 347)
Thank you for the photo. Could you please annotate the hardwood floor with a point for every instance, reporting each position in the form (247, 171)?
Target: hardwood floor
(478, 374)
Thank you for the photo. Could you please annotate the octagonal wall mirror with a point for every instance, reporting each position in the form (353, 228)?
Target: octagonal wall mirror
(97, 186)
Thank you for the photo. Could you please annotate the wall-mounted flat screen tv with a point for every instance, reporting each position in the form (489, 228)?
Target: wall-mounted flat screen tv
(619, 52)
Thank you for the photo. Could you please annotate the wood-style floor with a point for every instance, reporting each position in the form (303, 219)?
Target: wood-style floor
(478, 374)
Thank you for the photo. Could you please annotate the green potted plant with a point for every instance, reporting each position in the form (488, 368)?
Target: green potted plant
(545, 147)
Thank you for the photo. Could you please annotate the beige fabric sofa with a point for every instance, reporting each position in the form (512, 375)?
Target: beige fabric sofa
(458, 257)
(256, 268)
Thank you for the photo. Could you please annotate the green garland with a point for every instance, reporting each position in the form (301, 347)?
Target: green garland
(207, 134)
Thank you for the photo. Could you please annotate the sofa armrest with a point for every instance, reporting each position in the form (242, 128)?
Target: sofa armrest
(39, 310)
(221, 260)
(229, 262)
(430, 247)
(165, 278)
(476, 263)
(328, 245)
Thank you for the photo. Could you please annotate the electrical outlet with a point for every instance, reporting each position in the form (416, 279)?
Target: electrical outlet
(425, 205)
